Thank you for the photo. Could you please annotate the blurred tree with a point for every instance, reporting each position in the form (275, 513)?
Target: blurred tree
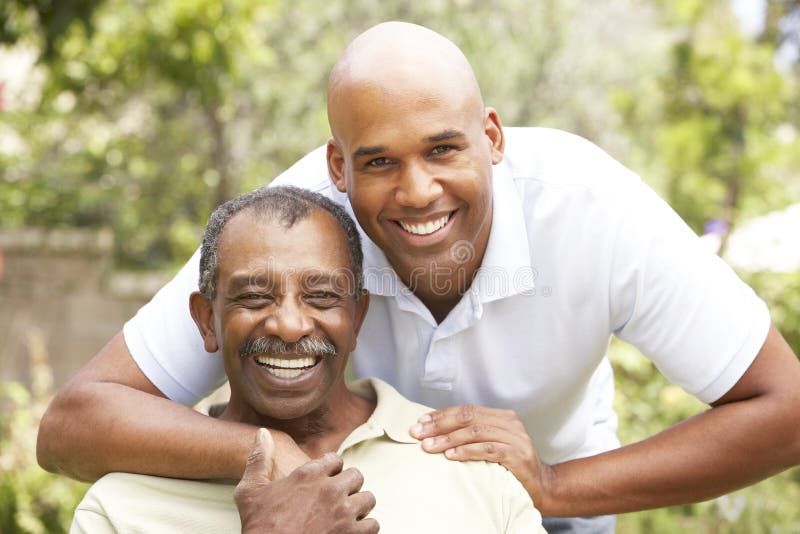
(716, 151)
(48, 18)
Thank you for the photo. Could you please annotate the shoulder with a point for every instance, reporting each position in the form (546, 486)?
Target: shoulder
(555, 158)
(116, 489)
(309, 172)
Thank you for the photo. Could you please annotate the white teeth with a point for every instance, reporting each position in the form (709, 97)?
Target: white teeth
(285, 373)
(296, 363)
(425, 228)
(286, 368)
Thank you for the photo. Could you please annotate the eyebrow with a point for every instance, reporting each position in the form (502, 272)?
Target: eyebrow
(238, 282)
(378, 149)
(314, 278)
(369, 151)
(445, 135)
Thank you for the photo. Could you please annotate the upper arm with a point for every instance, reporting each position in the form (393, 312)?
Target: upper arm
(681, 305)
(769, 400)
(775, 371)
(113, 363)
(164, 342)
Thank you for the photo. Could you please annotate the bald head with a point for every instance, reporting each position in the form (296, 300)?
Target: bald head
(399, 59)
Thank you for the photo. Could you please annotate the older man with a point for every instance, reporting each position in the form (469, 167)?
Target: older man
(281, 298)
(500, 262)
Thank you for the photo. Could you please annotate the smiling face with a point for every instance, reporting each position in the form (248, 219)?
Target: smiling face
(413, 148)
(284, 301)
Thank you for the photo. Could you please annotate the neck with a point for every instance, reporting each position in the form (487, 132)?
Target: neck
(440, 305)
(442, 285)
(319, 431)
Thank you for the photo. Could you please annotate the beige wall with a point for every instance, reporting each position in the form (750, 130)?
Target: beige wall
(59, 296)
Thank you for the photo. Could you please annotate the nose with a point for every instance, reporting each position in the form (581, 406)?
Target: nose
(417, 187)
(290, 321)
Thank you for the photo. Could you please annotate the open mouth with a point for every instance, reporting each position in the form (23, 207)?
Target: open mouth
(425, 228)
(287, 368)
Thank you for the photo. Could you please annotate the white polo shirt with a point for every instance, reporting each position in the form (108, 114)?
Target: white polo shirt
(579, 249)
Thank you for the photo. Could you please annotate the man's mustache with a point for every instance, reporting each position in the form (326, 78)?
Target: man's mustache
(305, 346)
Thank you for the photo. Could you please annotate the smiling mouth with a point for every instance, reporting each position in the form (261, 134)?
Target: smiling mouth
(285, 368)
(425, 228)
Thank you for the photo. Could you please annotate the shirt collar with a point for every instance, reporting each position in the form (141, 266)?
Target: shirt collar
(379, 276)
(393, 415)
(506, 267)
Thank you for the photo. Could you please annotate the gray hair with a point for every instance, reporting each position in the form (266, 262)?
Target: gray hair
(288, 205)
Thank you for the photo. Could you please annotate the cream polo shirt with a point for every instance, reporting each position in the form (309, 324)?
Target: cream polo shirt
(579, 249)
(414, 491)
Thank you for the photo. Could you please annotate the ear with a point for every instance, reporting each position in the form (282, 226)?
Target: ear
(494, 133)
(203, 315)
(335, 158)
(362, 306)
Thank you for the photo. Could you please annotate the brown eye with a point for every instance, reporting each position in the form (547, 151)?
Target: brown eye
(378, 162)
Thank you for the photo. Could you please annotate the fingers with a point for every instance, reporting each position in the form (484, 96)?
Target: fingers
(452, 427)
(362, 503)
(367, 526)
(329, 464)
(258, 467)
(287, 456)
(350, 480)
(449, 419)
(490, 451)
(476, 433)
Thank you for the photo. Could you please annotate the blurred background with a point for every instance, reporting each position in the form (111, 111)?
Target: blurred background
(123, 123)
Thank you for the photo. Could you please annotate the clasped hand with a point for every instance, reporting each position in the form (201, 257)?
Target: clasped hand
(319, 497)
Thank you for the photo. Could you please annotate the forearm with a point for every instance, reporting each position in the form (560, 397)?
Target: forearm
(714, 453)
(101, 427)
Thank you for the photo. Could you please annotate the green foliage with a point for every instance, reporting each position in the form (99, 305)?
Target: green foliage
(646, 404)
(713, 151)
(32, 501)
(49, 18)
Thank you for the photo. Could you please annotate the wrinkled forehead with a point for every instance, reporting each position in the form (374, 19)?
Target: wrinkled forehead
(260, 246)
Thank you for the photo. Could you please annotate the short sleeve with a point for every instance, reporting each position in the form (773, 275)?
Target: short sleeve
(678, 303)
(520, 513)
(166, 345)
(89, 522)
(90, 518)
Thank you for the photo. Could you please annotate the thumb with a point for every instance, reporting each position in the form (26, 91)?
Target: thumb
(259, 466)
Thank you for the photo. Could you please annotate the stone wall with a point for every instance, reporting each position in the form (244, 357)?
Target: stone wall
(60, 297)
